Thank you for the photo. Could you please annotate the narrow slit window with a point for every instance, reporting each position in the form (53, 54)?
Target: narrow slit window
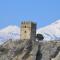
(25, 31)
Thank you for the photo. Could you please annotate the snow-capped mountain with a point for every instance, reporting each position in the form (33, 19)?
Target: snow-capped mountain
(50, 32)
(10, 32)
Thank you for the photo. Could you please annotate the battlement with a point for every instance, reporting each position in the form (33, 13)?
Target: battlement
(27, 22)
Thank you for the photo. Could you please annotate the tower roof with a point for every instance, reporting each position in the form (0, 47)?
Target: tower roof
(28, 22)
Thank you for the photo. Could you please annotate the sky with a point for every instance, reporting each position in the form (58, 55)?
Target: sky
(43, 12)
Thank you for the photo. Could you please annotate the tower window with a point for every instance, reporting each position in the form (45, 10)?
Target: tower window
(25, 26)
(25, 31)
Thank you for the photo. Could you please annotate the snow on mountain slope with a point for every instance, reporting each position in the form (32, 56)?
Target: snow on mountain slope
(51, 32)
(10, 32)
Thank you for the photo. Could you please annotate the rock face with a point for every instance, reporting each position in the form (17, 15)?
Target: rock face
(57, 57)
(49, 50)
(18, 50)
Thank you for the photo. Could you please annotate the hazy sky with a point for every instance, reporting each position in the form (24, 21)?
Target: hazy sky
(44, 12)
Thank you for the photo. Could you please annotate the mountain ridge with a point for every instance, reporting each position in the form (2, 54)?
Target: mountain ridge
(50, 32)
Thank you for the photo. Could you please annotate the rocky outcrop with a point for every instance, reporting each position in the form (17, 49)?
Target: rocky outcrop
(15, 50)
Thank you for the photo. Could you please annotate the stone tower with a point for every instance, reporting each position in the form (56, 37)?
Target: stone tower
(27, 35)
(28, 31)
